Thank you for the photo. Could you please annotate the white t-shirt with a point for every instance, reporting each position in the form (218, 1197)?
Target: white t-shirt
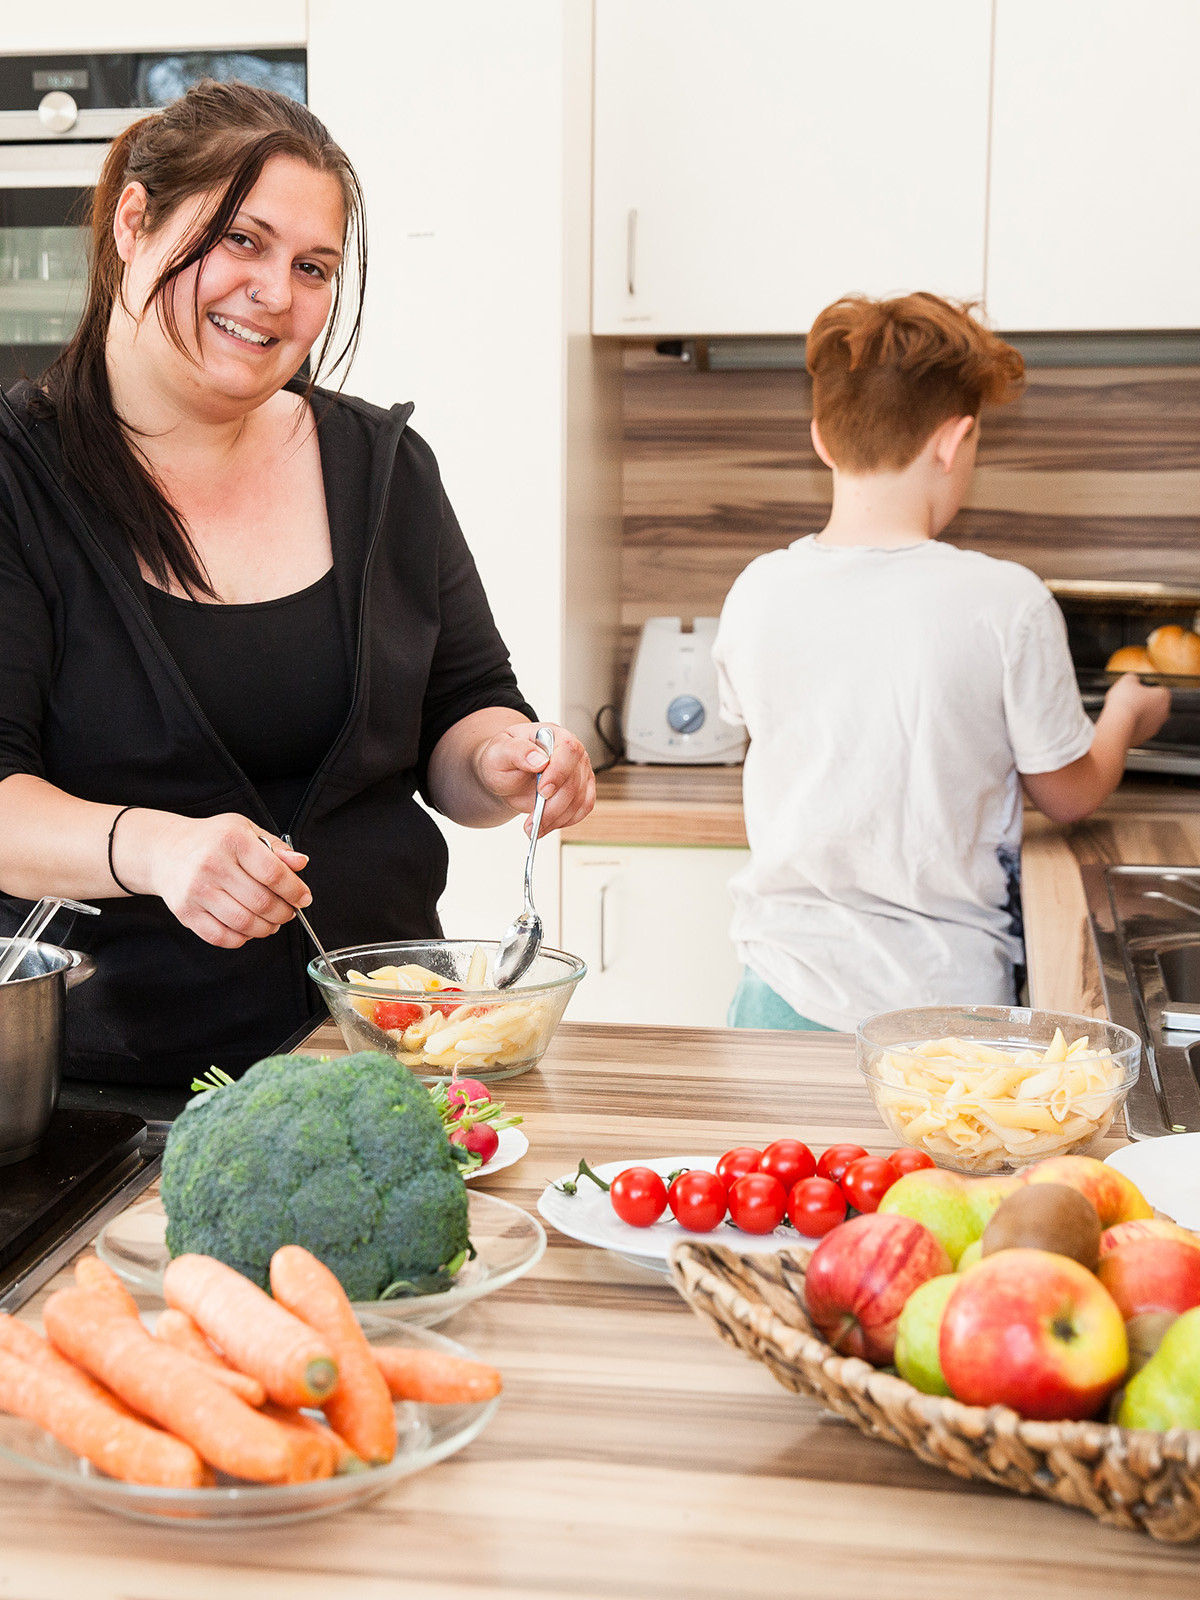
(891, 698)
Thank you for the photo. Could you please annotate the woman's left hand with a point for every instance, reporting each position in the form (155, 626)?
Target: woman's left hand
(512, 766)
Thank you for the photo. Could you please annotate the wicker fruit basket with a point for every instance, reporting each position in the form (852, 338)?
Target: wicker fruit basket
(1129, 1478)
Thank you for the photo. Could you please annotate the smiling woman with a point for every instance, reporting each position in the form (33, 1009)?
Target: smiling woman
(234, 605)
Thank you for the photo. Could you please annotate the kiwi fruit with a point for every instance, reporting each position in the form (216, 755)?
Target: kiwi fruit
(1046, 1216)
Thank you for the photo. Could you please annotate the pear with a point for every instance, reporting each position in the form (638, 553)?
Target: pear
(917, 1334)
(1166, 1392)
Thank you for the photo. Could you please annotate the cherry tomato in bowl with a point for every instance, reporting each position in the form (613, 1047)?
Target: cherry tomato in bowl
(789, 1160)
(815, 1206)
(867, 1180)
(396, 1015)
(639, 1196)
(902, 1161)
(697, 1201)
(735, 1164)
(836, 1159)
(757, 1203)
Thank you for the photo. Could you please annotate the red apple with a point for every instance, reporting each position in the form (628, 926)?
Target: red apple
(860, 1275)
(1152, 1275)
(1035, 1331)
(1115, 1198)
(1145, 1228)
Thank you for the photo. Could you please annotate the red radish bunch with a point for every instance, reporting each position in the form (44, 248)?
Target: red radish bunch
(471, 1118)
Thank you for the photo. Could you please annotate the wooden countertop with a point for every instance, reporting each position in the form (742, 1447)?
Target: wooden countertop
(703, 806)
(634, 1455)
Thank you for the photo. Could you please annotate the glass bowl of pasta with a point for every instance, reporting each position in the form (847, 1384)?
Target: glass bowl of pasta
(987, 1089)
(429, 1003)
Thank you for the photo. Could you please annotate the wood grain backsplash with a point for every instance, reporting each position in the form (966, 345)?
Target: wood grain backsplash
(1093, 473)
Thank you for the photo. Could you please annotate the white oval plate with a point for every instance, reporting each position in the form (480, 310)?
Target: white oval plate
(1167, 1171)
(513, 1145)
(507, 1240)
(589, 1217)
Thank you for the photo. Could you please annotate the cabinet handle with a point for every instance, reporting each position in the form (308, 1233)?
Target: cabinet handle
(631, 253)
(604, 888)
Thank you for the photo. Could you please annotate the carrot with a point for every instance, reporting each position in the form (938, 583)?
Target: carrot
(92, 1273)
(175, 1391)
(435, 1376)
(119, 1445)
(344, 1459)
(21, 1341)
(297, 1422)
(176, 1328)
(294, 1366)
(360, 1408)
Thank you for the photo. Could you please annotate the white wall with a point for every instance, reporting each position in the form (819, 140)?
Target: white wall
(472, 141)
(79, 25)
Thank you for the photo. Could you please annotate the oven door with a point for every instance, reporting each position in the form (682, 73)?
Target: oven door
(45, 197)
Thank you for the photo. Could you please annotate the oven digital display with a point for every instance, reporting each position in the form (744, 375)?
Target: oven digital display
(68, 78)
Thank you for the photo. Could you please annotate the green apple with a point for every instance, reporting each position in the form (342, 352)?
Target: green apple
(984, 1196)
(917, 1334)
(938, 1200)
(972, 1254)
(1166, 1392)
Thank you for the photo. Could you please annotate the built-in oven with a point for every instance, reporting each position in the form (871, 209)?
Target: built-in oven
(58, 114)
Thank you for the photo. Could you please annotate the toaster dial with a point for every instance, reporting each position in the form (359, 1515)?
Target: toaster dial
(686, 714)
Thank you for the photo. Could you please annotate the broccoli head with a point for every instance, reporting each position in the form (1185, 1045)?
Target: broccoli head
(347, 1157)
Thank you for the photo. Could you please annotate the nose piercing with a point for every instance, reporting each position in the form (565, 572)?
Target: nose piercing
(254, 294)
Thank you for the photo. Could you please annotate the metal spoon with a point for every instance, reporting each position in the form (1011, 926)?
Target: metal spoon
(522, 938)
(31, 929)
(364, 1024)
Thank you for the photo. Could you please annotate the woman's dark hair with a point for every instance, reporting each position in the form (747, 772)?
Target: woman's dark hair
(215, 140)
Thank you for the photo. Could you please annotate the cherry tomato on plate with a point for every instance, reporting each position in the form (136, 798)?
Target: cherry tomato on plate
(639, 1196)
(788, 1160)
(398, 1014)
(697, 1200)
(867, 1180)
(902, 1161)
(735, 1164)
(757, 1203)
(815, 1206)
(836, 1159)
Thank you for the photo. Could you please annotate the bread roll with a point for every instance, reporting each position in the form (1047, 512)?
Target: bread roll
(1175, 650)
(1130, 658)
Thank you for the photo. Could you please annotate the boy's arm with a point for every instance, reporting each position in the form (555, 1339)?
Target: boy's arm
(1133, 712)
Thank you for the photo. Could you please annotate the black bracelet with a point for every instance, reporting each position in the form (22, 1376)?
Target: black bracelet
(111, 833)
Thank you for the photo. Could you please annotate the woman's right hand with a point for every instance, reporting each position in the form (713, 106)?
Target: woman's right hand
(225, 878)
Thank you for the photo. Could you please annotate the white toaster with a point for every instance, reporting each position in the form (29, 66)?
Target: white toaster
(671, 700)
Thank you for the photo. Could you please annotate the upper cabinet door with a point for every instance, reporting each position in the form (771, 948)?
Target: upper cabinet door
(1095, 216)
(754, 162)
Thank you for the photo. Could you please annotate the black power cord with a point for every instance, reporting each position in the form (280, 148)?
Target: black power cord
(616, 745)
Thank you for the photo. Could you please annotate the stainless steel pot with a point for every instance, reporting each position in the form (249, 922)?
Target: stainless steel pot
(31, 1044)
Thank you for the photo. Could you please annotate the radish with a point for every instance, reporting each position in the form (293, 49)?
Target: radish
(479, 1137)
(462, 1091)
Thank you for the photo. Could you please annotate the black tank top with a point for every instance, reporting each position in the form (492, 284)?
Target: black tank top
(273, 679)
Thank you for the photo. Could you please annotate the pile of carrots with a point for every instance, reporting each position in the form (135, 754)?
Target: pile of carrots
(229, 1379)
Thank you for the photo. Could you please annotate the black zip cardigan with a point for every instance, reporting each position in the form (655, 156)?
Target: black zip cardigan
(92, 701)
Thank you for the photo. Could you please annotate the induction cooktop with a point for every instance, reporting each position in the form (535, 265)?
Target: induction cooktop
(89, 1165)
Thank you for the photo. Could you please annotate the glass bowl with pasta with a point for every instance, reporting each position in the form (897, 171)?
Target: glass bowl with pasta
(430, 1003)
(988, 1089)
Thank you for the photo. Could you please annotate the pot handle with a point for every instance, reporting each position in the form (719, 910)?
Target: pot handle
(82, 967)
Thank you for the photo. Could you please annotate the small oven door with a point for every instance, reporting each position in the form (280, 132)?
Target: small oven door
(45, 197)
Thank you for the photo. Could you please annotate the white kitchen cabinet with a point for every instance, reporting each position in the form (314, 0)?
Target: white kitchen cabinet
(754, 162)
(1095, 207)
(652, 923)
(75, 26)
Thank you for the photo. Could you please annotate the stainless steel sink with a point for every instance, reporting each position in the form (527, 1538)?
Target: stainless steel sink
(1145, 922)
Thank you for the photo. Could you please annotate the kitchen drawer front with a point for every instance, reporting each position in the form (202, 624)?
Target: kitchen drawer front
(652, 923)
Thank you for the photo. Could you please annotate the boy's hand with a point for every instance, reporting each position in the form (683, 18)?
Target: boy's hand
(1141, 706)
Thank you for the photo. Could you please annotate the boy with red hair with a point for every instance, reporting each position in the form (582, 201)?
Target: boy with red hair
(899, 694)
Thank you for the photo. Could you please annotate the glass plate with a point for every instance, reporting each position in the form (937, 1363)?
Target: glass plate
(589, 1217)
(425, 1434)
(507, 1240)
